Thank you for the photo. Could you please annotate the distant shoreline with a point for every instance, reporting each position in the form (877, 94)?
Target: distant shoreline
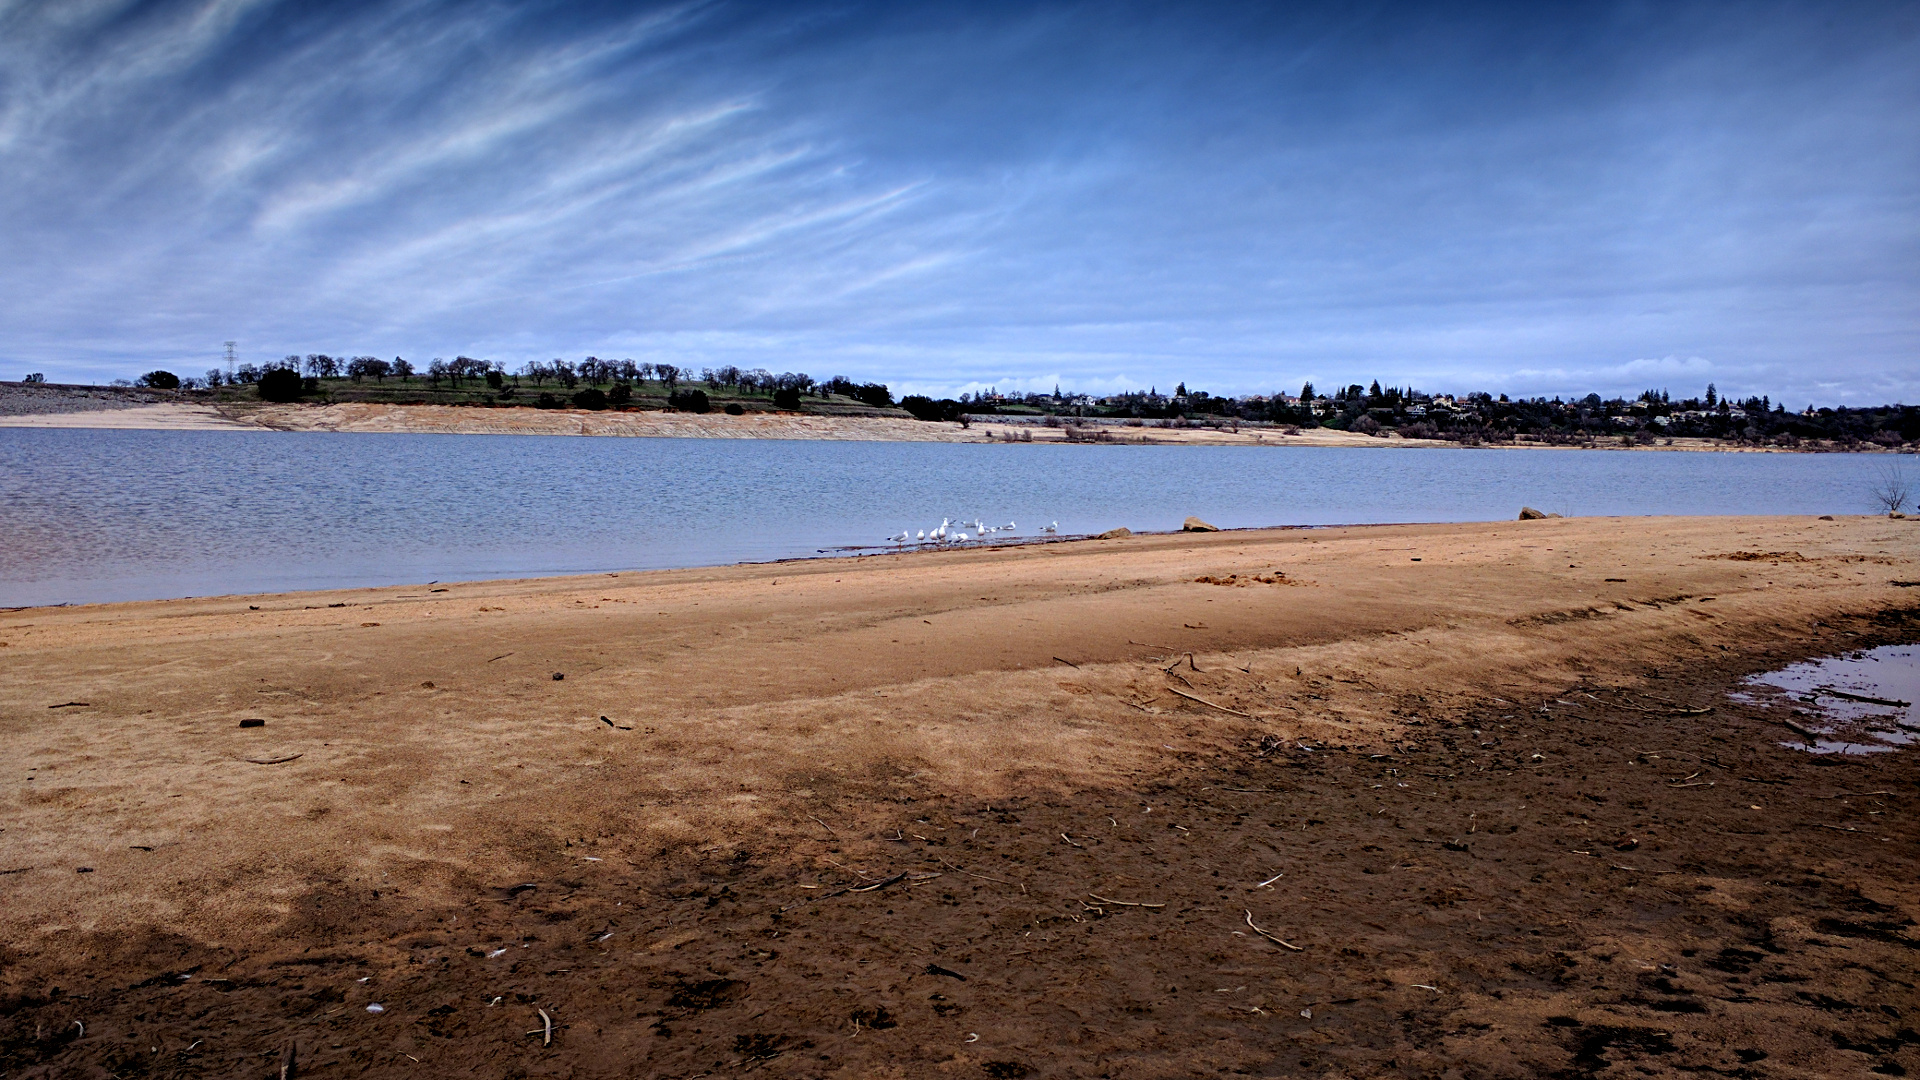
(146, 414)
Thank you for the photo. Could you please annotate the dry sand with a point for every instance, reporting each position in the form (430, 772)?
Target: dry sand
(1460, 758)
(164, 416)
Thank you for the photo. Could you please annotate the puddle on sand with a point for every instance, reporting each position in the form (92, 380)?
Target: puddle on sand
(1818, 693)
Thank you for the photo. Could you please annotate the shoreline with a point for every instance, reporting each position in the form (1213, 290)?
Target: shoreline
(363, 418)
(682, 810)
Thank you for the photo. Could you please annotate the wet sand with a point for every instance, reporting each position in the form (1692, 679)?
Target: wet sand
(1037, 811)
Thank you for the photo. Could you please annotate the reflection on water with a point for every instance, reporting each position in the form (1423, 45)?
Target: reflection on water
(119, 515)
(1860, 703)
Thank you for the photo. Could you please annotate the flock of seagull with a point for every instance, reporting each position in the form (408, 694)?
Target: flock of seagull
(952, 532)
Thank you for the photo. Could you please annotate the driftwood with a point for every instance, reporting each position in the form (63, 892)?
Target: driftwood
(1831, 692)
(275, 761)
(1800, 731)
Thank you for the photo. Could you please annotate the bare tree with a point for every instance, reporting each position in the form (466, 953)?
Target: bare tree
(1892, 487)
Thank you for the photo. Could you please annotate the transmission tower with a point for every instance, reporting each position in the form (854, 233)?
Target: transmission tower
(230, 358)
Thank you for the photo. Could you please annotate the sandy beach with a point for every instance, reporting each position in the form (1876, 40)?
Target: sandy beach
(1347, 802)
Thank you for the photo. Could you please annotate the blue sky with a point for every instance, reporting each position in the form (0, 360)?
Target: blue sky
(1523, 198)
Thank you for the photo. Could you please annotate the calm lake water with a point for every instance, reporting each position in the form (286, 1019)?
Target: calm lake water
(88, 516)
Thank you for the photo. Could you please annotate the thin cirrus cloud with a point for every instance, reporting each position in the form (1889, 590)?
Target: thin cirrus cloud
(1607, 197)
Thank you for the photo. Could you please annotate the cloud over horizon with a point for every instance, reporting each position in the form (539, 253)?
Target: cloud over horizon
(1600, 197)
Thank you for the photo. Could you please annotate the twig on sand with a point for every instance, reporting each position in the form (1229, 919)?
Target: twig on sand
(72, 705)
(502, 656)
(1143, 644)
(1852, 794)
(1123, 903)
(1677, 711)
(1069, 663)
(881, 884)
(1191, 666)
(1271, 880)
(275, 761)
(1270, 937)
(969, 873)
(546, 1033)
(1209, 704)
(825, 826)
(1070, 842)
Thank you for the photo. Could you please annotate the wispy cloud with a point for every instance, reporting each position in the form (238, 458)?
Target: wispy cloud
(952, 197)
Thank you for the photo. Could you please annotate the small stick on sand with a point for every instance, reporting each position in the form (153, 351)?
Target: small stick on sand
(1271, 880)
(1209, 704)
(72, 705)
(502, 656)
(546, 1033)
(1069, 663)
(971, 874)
(1070, 842)
(1800, 731)
(1852, 794)
(275, 761)
(1270, 937)
(825, 826)
(881, 884)
(1676, 711)
(1123, 903)
(1143, 644)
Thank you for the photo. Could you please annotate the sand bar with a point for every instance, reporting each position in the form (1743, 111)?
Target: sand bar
(1465, 760)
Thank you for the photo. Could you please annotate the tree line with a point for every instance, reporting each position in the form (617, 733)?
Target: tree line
(1472, 418)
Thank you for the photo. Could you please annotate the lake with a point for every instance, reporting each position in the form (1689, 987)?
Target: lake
(92, 515)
